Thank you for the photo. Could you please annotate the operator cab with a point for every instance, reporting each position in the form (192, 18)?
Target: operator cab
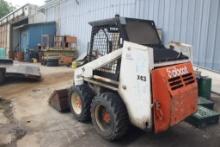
(109, 35)
(139, 31)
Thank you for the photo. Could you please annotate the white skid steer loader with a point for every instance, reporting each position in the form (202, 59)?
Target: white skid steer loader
(131, 77)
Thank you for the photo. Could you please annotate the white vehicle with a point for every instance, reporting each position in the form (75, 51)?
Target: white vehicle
(130, 76)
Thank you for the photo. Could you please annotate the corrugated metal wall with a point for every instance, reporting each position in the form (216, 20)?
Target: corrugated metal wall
(196, 22)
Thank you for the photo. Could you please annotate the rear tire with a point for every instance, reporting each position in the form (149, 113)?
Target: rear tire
(109, 116)
(2, 75)
(80, 98)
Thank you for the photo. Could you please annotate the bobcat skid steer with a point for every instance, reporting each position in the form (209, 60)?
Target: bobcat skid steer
(131, 77)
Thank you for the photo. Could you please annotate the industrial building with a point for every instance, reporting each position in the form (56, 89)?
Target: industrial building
(194, 22)
(11, 37)
(111, 73)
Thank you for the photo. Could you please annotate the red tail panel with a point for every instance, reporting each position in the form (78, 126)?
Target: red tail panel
(174, 95)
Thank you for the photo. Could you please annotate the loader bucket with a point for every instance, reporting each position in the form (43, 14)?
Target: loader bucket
(59, 100)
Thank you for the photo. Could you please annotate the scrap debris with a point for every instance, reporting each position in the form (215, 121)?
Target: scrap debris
(18, 70)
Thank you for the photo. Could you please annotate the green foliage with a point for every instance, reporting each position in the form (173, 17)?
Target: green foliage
(5, 8)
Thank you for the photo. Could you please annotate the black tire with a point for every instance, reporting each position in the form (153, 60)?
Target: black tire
(119, 121)
(2, 75)
(85, 94)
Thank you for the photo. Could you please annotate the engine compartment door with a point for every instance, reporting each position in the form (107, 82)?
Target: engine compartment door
(175, 95)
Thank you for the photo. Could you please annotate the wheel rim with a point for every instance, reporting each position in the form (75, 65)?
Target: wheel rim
(103, 118)
(76, 103)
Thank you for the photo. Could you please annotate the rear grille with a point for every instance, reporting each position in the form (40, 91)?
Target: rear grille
(175, 83)
(181, 81)
(188, 79)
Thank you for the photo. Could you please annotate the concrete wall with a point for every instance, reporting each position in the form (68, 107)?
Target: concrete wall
(196, 22)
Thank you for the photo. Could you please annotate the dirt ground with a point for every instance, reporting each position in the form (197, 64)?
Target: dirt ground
(26, 120)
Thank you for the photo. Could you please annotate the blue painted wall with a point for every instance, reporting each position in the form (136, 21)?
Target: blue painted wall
(31, 35)
(36, 31)
(24, 39)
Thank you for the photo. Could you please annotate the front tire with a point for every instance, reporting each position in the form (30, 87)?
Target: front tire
(80, 98)
(109, 116)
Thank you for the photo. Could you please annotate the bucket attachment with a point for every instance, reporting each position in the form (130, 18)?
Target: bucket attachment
(59, 100)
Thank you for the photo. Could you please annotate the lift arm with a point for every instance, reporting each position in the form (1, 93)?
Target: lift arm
(87, 70)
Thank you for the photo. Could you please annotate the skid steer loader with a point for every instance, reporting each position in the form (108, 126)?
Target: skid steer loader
(131, 77)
